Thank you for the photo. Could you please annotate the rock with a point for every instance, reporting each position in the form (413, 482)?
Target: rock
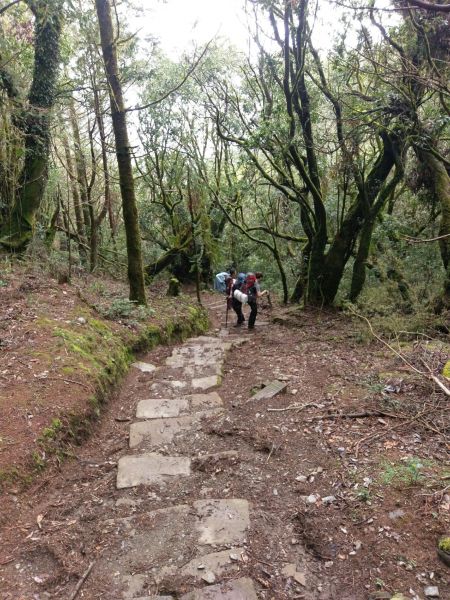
(300, 578)
(81, 320)
(157, 408)
(301, 478)
(144, 367)
(150, 468)
(222, 521)
(209, 577)
(269, 391)
(239, 589)
(205, 383)
(329, 499)
(312, 498)
(431, 591)
(396, 514)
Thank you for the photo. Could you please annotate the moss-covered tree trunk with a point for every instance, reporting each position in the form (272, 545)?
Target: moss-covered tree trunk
(129, 207)
(365, 238)
(35, 124)
(344, 241)
(440, 186)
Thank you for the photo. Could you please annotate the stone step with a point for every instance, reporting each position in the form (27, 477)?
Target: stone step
(144, 367)
(166, 547)
(159, 432)
(150, 468)
(157, 408)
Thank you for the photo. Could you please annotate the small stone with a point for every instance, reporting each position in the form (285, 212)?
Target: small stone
(275, 492)
(200, 567)
(234, 557)
(300, 578)
(329, 499)
(328, 564)
(396, 514)
(209, 577)
(81, 320)
(431, 591)
(301, 478)
(312, 498)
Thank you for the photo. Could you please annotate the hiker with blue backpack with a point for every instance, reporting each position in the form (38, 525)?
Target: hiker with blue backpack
(247, 291)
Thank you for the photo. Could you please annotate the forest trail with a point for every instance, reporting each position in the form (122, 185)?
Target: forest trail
(196, 488)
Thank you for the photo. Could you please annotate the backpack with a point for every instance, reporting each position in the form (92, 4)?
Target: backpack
(240, 280)
(248, 287)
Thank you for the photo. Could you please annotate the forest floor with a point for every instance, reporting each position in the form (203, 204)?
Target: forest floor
(340, 507)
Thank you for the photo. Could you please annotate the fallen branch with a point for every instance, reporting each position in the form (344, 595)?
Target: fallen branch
(81, 581)
(294, 407)
(358, 415)
(413, 240)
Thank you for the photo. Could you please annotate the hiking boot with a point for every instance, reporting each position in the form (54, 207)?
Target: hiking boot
(238, 325)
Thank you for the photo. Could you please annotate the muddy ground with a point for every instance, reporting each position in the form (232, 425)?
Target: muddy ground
(358, 502)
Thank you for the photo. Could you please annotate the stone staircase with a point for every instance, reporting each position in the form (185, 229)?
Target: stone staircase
(197, 546)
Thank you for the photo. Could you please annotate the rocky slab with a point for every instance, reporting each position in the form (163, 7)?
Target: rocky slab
(158, 432)
(206, 383)
(161, 408)
(205, 401)
(269, 391)
(144, 367)
(222, 521)
(150, 468)
(239, 589)
(157, 408)
(218, 563)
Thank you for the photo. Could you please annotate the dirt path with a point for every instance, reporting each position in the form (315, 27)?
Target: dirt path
(195, 490)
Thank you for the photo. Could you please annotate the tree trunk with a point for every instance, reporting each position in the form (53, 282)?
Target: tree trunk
(440, 186)
(344, 241)
(365, 239)
(76, 201)
(129, 208)
(81, 173)
(35, 125)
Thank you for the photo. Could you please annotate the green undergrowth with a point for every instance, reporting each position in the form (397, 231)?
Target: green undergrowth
(96, 353)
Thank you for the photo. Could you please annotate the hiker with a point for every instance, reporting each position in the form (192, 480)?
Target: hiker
(253, 291)
(236, 304)
(220, 280)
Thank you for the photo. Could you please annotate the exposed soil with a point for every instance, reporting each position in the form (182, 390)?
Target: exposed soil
(357, 504)
(47, 376)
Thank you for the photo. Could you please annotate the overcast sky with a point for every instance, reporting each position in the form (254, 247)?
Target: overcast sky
(179, 23)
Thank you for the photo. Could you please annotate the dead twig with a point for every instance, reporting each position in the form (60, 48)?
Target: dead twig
(297, 407)
(358, 415)
(81, 581)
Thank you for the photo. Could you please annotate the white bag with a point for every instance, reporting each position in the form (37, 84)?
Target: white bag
(238, 295)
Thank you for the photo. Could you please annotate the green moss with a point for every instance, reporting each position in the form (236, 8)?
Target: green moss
(446, 370)
(101, 356)
(444, 544)
(11, 476)
(51, 431)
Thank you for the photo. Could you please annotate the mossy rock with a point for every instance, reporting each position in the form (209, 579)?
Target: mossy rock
(446, 370)
(443, 549)
(174, 287)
